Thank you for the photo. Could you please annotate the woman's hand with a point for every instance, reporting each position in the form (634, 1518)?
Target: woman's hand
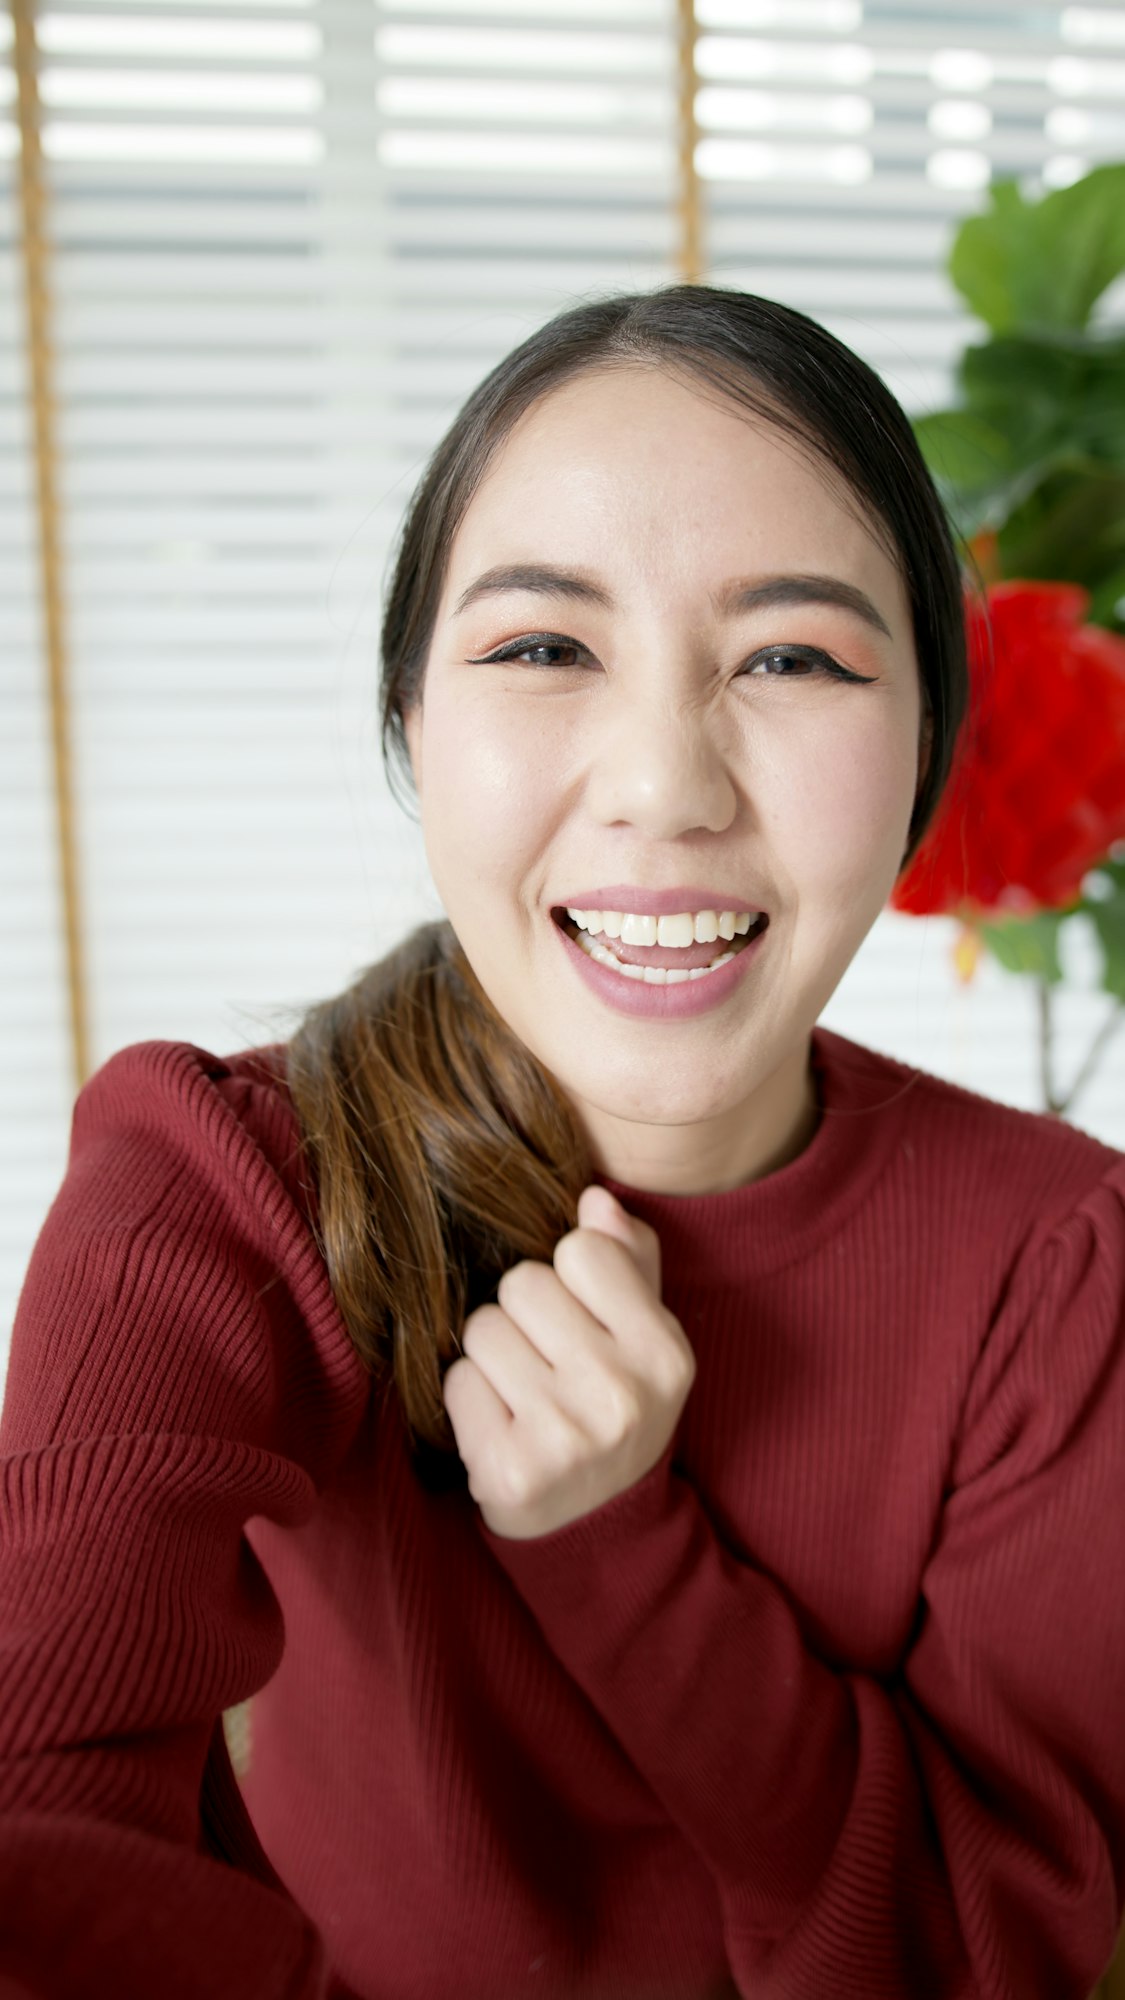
(569, 1388)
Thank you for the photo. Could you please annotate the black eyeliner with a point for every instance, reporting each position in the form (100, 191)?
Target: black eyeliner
(512, 648)
(826, 660)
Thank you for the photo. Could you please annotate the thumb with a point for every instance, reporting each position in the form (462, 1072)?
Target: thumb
(599, 1209)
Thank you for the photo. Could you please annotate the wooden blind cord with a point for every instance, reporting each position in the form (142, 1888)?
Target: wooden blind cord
(689, 205)
(43, 411)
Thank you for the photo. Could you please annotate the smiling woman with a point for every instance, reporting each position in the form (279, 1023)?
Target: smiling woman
(772, 722)
(755, 657)
(655, 1463)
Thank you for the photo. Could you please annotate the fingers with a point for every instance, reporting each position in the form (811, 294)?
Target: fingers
(600, 1210)
(607, 1281)
(511, 1355)
(560, 1332)
(541, 1309)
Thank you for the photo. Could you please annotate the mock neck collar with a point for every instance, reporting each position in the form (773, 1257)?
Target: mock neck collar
(863, 1099)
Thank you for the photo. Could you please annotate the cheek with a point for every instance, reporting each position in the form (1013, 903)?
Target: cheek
(842, 810)
(485, 794)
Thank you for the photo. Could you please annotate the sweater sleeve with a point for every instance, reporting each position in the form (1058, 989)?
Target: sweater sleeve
(955, 1831)
(177, 1366)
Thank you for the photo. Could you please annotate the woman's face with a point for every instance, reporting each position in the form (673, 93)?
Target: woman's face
(673, 724)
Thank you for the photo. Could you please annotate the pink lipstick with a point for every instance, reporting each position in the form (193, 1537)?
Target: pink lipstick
(646, 1000)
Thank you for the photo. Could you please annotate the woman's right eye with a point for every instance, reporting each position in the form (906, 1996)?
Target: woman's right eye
(529, 653)
(526, 649)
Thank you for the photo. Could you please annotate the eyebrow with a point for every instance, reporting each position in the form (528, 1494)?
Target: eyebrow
(775, 590)
(545, 580)
(542, 578)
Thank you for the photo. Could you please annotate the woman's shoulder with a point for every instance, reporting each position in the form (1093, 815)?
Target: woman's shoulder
(175, 1072)
(983, 1159)
(235, 1105)
(178, 1231)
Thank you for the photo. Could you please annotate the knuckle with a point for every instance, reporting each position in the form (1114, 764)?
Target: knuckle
(476, 1327)
(678, 1342)
(516, 1282)
(565, 1250)
(679, 1378)
(684, 1366)
(621, 1409)
(673, 1368)
(452, 1375)
(682, 1351)
(514, 1484)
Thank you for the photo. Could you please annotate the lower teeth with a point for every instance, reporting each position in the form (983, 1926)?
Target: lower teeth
(653, 975)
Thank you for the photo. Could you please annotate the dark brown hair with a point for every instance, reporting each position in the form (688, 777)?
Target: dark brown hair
(443, 1152)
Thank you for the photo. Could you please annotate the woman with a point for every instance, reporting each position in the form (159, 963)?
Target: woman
(656, 1464)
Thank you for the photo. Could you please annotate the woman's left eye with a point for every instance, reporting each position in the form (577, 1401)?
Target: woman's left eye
(796, 663)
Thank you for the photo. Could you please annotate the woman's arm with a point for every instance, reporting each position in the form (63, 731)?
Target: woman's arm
(164, 1386)
(954, 1830)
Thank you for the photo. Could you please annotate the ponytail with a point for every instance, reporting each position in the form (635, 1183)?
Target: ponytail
(442, 1152)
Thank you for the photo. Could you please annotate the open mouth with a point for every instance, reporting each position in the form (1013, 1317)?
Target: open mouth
(667, 958)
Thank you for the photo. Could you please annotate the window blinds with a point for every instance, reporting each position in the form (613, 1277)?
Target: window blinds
(842, 157)
(35, 1080)
(287, 239)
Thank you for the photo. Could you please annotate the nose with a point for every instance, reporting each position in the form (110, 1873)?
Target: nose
(657, 763)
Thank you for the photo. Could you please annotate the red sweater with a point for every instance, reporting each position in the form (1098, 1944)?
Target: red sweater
(829, 1704)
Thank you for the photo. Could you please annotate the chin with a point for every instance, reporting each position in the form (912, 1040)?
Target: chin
(678, 1105)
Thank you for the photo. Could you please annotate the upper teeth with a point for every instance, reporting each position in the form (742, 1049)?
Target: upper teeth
(700, 927)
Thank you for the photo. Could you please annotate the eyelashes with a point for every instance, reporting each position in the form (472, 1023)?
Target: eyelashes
(814, 662)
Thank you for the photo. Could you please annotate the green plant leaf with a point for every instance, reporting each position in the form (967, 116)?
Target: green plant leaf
(1107, 602)
(1042, 415)
(1044, 393)
(963, 450)
(1106, 912)
(1042, 263)
(1070, 528)
(972, 466)
(1109, 922)
(1028, 944)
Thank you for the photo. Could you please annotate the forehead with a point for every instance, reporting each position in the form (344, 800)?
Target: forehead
(624, 460)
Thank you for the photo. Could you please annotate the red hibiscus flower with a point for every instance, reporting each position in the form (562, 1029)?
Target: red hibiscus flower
(1037, 794)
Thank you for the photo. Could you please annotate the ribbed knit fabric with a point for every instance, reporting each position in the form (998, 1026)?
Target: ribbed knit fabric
(828, 1706)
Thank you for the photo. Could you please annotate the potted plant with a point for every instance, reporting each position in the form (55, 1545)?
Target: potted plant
(1031, 465)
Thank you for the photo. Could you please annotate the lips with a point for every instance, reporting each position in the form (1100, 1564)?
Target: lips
(671, 958)
(662, 902)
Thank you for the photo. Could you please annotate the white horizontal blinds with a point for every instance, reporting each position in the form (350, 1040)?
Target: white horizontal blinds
(530, 160)
(842, 140)
(219, 281)
(34, 1043)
